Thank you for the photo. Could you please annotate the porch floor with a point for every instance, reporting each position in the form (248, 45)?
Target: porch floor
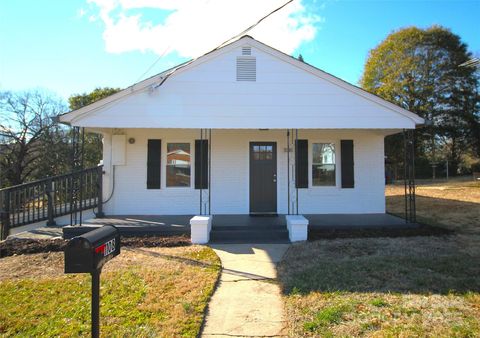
(181, 223)
(136, 225)
(131, 225)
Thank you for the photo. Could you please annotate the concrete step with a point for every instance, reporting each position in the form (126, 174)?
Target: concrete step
(238, 234)
(263, 227)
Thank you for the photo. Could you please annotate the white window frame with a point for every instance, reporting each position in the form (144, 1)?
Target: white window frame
(337, 164)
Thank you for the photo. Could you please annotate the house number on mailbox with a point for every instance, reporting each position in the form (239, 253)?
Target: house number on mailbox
(106, 248)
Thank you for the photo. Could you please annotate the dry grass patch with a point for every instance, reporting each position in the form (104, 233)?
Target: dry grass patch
(455, 205)
(381, 315)
(418, 286)
(146, 292)
(392, 287)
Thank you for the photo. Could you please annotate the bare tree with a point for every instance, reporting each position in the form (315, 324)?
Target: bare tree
(26, 118)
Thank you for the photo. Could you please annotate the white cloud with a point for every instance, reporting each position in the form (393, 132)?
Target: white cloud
(81, 12)
(196, 26)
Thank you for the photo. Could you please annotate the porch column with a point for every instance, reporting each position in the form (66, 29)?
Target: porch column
(292, 190)
(205, 194)
(409, 175)
(296, 172)
(201, 225)
(297, 225)
(76, 189)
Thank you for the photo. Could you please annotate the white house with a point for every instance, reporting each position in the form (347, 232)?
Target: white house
(244, 129)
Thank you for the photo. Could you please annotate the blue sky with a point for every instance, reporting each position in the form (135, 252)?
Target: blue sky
(74, 46)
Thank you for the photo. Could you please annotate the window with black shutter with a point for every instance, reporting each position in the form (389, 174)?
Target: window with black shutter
(153, 164)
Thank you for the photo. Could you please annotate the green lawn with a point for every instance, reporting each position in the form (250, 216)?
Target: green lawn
(390, 287)
(144, 293)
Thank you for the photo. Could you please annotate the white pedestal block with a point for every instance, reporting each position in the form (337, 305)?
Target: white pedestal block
(200, 227)
(297, 226)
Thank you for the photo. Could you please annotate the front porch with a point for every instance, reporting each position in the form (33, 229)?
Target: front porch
(235, 228)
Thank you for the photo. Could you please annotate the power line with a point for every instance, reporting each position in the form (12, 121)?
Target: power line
(254, 25)
(222, 44)
(219, 46)
(153, 64)
(173, 70)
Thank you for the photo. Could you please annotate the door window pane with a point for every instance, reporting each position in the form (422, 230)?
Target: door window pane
(178, 164)
(262, 152)
(323, 164)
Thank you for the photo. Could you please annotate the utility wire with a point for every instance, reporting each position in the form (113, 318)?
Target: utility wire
(189, 62)
(153, 64)
(254, 25)
(219, 46)
(225, 42)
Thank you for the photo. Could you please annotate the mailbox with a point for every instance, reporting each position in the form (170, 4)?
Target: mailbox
(89, 252)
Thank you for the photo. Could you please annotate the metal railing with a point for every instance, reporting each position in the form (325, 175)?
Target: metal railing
(49, 198)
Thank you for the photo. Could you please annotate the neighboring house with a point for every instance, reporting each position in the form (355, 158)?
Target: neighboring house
(244, 129)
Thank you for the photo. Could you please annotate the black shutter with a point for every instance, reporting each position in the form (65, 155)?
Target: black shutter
(347, 164)
(201, 164)
(153, 164)
(301, 164)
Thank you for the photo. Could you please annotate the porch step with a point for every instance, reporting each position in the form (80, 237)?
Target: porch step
(260, 228)
(247, 234)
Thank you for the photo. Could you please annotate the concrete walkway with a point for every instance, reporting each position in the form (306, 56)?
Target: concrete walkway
(247, 302)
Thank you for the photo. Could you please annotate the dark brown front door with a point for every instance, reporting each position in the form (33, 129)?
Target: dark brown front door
(263, 177)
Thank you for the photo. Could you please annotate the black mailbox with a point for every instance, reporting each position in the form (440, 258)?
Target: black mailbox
(89, 252)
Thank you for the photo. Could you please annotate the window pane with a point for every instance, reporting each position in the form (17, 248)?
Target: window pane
(323, 153)
(178, 164)
(323, 175)
(323, 164)
(262, 152)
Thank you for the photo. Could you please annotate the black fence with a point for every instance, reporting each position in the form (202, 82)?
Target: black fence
(49, 198)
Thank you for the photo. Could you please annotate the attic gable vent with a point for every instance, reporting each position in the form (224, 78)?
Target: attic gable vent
(246, 68)
(246, 50)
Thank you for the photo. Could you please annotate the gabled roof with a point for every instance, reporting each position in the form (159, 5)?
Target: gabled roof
(156, 81)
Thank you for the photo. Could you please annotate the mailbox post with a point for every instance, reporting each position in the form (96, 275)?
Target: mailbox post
(87, 254)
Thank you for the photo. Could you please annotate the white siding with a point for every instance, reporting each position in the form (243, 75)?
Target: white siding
(208, 95)
(230, 174)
